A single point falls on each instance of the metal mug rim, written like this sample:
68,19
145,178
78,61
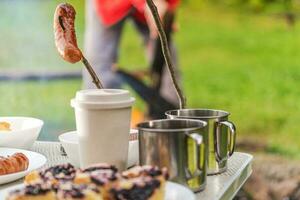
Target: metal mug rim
203,124
225,113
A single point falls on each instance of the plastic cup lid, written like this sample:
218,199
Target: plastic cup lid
102,98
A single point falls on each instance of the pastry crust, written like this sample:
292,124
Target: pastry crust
33,192
103,176
16,163
69,191
141,182
52,175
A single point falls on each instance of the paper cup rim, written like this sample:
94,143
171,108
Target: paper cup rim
102,105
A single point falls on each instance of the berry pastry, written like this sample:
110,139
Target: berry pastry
52,175
138,188
103,176
70,191
140,183
98,182
33,192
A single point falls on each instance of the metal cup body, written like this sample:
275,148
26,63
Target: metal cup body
178,146
221,135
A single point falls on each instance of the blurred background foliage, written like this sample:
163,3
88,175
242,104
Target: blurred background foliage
236,55
252,5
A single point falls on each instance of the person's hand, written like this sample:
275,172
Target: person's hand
162,7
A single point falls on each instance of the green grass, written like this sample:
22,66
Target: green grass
244,63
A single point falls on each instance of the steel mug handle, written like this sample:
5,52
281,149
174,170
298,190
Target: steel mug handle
200,148
232,140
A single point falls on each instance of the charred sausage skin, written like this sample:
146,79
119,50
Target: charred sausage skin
64,32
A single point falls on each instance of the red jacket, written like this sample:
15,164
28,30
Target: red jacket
112,11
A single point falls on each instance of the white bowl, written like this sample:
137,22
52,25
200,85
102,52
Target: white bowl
69,141
24,132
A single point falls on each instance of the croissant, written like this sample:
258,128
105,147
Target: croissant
16,163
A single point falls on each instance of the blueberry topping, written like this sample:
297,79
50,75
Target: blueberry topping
74,192
59,172
77,191
102,177
154,172
32,190
137,192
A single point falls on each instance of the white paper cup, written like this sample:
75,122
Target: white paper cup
103,124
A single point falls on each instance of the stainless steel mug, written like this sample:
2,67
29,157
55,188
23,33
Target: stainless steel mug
221,142
177,145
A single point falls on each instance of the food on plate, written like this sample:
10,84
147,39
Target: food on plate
146,170
64,32
52,175
33,192
103,176
11,164
141,182
97,182
83,192
5,126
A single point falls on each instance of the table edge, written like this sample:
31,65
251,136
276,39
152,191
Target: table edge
246,168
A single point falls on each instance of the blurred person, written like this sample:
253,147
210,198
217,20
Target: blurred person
105,20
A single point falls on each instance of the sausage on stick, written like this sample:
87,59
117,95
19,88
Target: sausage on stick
65,39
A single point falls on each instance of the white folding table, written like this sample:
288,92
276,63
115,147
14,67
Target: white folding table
219,187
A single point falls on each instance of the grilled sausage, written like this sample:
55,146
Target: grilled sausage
64,32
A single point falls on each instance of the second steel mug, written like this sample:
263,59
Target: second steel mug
221,135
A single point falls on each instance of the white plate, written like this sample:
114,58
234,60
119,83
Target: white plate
36,161
174,191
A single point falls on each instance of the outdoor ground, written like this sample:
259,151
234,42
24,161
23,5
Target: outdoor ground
241,62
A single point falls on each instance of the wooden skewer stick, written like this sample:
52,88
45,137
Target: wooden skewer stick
93,74
166,51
